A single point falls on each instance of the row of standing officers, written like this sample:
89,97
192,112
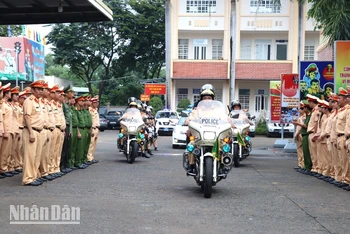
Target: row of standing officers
46,132
323,138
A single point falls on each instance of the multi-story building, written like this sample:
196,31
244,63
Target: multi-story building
265,45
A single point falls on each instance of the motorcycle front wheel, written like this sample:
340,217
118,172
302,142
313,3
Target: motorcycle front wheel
133,152
236,155
208,176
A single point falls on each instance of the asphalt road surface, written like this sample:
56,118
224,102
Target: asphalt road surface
264,195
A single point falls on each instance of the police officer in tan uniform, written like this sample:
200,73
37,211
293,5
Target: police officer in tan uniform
311,129
94,129
298,137
8,136
340,131
17,141
347,145
49,125
32,142
322,150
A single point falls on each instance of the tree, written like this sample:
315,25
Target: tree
54,69
16,30
183,104
332,17
157,104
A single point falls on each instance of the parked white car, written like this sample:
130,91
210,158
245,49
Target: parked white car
179,133
166,121
275,129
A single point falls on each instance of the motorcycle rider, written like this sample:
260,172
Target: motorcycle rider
207,92
132,103
236,105
153,124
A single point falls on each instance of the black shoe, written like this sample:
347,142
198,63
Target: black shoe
296,168
88,163
144,155
94,161
34,183
19,170
49,177
69,170
81,166
42,179
74,168
155,149
342,185
2,177
7,174
14,172
347,188
149,152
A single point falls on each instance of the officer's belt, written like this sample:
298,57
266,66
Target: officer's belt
35,129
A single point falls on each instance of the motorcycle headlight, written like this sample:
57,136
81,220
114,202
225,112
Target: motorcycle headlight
121,135
190,147
209,135
226,148
132,129
247,138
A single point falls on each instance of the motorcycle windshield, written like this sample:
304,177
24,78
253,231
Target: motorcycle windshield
238,117
210,112
133,115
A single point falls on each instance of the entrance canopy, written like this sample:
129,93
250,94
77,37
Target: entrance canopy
53,11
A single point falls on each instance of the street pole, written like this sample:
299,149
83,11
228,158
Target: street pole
233,50
167,52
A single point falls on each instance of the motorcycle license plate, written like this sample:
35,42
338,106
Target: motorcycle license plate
113,122
166,129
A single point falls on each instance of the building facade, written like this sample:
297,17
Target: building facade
206,43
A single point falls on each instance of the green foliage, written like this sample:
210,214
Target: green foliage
16,30
120,95
332,17
260,128
157,104
183,104
54,69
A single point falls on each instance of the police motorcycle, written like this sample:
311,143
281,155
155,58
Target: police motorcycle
132,133
241,142
210,145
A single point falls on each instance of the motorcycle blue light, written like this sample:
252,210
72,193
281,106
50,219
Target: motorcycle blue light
142,136
190,147
247,138
226,148
121,135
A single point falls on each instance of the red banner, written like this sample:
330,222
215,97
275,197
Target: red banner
157,89
275,100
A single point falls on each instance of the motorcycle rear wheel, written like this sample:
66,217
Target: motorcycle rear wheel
133,152
208,176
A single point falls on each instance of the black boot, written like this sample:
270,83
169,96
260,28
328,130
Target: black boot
192,169
155,148
149,152
145,155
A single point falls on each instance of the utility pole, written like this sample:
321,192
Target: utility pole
233,49
167,52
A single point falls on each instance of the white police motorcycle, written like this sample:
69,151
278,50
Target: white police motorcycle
241,143
132,134
209,145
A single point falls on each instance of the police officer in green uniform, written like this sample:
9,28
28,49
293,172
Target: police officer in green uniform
79,151
69,94
74,137
88,125
305,138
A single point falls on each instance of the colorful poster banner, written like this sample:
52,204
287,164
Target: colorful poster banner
157,89
145,97
289,98
342,64
22,59
316,78
275,101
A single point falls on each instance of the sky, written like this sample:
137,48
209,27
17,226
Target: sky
43,30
